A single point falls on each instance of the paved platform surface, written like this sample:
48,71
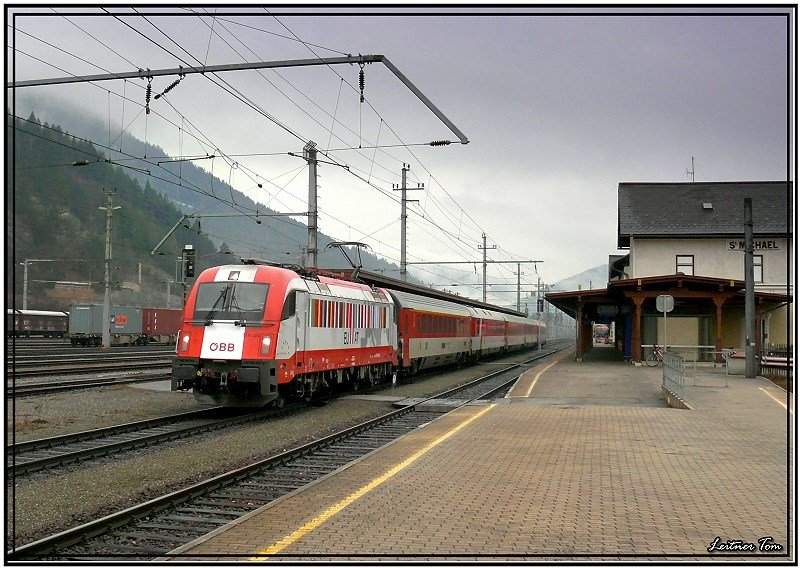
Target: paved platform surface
588,466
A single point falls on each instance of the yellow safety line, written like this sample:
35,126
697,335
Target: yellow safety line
773,398
331,511
536,378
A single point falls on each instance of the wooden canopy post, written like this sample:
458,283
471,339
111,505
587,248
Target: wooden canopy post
636,336
579,324
758,333
719,301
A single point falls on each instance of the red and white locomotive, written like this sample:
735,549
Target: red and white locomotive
255,333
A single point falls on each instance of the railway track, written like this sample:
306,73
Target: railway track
154,528
109,364
38,348
27,457
17,388
40,353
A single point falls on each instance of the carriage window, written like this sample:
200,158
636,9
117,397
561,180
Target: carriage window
290,305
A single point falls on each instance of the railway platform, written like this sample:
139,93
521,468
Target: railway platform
580,461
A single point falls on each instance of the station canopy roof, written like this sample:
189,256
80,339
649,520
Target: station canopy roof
680,284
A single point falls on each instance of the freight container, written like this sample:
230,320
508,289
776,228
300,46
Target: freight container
161,325
86,324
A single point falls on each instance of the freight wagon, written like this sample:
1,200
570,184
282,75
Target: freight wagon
36,322
127,325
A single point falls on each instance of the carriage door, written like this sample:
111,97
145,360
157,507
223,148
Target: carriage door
301,329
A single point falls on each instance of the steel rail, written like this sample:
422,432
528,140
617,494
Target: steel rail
85,435
59,386
123,366
21,468
104,358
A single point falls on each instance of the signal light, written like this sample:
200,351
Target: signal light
189,257
184,343
265,343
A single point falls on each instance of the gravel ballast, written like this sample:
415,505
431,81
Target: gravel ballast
41,505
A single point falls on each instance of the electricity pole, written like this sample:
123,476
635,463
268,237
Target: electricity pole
25,278
519,273
25,285
539,295
749,292
403,217
107,296
310,154
484,248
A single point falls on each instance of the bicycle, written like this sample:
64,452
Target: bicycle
655,357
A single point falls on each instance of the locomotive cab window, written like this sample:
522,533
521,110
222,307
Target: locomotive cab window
231,301
290,305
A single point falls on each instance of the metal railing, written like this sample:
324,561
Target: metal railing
700,353
777,359
674,374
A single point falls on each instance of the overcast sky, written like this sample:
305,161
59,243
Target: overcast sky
558,110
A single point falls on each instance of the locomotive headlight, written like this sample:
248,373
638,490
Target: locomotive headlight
184,341
265,343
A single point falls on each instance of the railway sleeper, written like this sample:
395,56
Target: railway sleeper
207,511
168,527
128,548
155,537
328,457
275,485
287,479
198,520
235,490
262,498
311,465
344,453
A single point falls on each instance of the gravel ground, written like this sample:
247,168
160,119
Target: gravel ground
66,412
41,505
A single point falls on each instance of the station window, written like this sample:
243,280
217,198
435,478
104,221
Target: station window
685,263
758,268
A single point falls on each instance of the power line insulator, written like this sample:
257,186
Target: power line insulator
148,92
441,143
361,81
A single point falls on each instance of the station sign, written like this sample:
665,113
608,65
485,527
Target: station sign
665,303
739,246
607,310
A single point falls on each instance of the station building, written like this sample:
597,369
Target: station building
687,240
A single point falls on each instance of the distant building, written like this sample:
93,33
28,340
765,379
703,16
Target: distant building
698,229
687,240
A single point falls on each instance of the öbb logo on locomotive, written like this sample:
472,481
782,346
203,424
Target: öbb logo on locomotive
257,333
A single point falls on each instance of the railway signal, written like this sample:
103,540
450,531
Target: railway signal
189,258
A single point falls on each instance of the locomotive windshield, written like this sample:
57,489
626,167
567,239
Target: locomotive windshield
244,301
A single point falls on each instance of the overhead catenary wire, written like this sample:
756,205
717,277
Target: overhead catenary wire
195,58
387,125
443,209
